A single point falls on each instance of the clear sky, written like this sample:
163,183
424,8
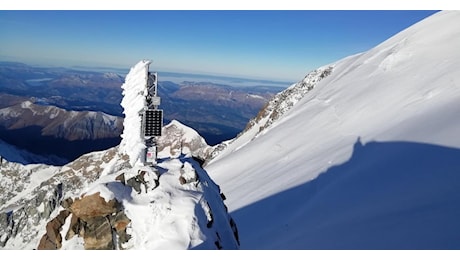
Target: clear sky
268,44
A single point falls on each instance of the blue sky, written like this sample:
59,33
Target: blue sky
268,44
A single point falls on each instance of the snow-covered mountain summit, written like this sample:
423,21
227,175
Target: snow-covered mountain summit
367,159
110,200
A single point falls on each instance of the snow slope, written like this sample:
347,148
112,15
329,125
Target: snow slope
368,159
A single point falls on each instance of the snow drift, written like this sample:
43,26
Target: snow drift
367,159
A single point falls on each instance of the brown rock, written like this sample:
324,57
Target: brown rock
52,238
66,203
74,228
98,234
120,221
93,206
182,180
121,178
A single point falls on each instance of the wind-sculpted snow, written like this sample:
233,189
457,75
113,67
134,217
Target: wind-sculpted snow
133,103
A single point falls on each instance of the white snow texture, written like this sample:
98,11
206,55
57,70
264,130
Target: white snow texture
368,159
133,103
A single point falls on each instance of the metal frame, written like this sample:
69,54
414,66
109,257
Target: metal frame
152,101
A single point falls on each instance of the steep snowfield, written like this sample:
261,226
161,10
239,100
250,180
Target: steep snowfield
368,159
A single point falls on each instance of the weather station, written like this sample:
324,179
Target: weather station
152,118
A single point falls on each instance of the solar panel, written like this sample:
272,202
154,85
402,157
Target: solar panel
153,122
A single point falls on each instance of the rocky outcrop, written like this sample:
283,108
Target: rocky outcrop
91,206
276,107
179,139
48,207
53,239
94,219
286,99
21,215
145,179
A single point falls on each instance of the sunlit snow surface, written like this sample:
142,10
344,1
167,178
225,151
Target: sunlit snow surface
171,216
133,103
368,159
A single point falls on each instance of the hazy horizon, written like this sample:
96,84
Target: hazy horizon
258,44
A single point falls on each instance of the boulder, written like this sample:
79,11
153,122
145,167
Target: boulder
91,206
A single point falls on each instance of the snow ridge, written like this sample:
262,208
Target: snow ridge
274,110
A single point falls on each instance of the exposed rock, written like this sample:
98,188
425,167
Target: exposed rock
67,203
98,233
121,178
75,227
182,180
94,223
187,174
53,239
179,139
6,226
94,219
147,178
92,206
276,107
119,223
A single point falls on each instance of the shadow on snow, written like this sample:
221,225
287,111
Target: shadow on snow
388,195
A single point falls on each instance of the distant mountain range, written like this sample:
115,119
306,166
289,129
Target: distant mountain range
101,201
51,132
217,111
52,106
